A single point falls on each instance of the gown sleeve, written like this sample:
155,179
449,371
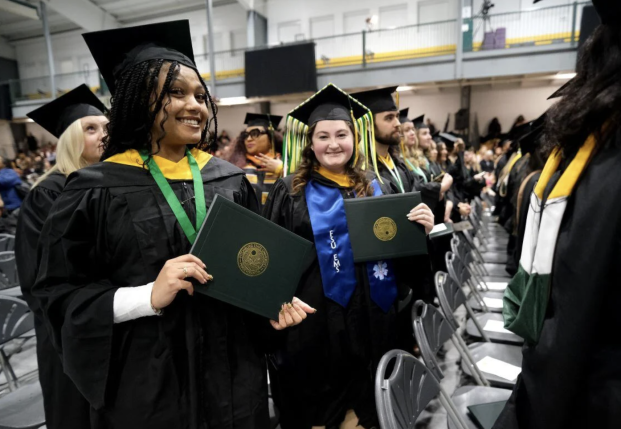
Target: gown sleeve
33,213
77,302
276,206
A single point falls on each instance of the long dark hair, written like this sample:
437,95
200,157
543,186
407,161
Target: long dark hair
593,98
240,142
136,104
362,185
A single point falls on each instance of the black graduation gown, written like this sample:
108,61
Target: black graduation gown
522,211
326,365
430,192
262,182
572,378
65,407
201,364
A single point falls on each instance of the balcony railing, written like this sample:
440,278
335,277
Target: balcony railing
558,24
545,26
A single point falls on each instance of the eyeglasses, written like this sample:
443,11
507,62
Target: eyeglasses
255,134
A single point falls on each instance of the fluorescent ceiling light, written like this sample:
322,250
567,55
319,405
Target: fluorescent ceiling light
565,76
405,88
232,101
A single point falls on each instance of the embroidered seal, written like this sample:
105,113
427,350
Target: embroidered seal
253,259
385,229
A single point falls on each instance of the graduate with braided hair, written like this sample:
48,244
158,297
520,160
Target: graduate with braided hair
114,278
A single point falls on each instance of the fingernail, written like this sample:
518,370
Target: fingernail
315,310
289,305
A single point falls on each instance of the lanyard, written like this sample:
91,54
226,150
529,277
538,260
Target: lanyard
396,176
173,201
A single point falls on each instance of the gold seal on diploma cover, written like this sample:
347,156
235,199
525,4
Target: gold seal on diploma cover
253,259
385,229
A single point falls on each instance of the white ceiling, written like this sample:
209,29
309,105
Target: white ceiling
126,12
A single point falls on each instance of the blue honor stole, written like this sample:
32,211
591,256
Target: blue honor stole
336,258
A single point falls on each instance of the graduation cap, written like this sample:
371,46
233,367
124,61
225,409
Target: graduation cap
449,140
609,11
530,141
262,120
403,115
378,100
56,116
118,50
328,104
420,122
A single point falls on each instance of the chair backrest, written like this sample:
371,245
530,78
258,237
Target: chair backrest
450,296
456,268
432,331
15,318
8,270
7,242
403,389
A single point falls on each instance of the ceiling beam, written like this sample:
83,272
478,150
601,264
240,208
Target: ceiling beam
18,8
84,13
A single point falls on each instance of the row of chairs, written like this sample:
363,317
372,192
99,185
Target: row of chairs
475,282
22,406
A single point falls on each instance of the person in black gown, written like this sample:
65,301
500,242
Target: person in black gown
326,366
262,144
77,120
571,377
114,277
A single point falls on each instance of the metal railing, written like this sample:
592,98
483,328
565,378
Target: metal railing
557,24
544,26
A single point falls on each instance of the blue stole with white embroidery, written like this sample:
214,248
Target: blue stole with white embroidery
336,258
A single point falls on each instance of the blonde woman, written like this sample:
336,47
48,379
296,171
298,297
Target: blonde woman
77,120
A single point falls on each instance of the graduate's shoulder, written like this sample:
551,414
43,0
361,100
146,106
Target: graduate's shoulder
55,183
217,168
116,175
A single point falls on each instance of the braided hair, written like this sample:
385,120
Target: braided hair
135,106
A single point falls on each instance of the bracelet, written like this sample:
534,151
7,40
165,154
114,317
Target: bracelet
158,312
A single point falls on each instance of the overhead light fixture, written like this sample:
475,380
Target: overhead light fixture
566,76
232,101
405,88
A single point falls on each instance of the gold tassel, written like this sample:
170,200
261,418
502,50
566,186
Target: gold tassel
356,147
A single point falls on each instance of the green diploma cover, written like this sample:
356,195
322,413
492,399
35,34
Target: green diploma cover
256,265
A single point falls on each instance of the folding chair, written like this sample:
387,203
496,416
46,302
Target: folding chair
469,252
22,408
451,297
7,242
16,319
432,330
480,300
9,281
403,389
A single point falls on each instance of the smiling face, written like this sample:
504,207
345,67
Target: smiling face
424,138
257,145
187,108
94,128
433,152
333,144
409,134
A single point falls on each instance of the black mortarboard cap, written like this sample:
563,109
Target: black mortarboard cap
529,142
403,115
262,120
116,51
329,104
378,100
57,115
420,122
449,140
609,11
